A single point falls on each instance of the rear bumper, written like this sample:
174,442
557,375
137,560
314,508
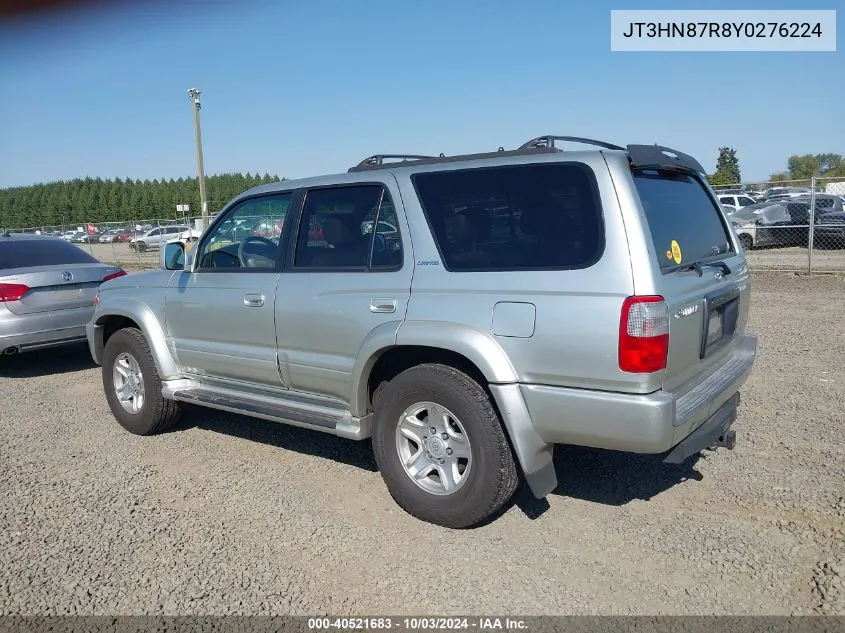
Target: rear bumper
675,424
48,329
649,423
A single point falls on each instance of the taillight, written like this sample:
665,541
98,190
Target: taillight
12,292
119,273
643,335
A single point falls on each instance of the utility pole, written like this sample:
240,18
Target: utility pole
194,95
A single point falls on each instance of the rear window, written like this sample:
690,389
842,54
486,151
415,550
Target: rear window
519,217
27,253
685,224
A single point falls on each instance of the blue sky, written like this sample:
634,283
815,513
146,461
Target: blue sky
298,88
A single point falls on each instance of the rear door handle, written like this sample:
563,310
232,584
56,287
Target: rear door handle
253,300
383,306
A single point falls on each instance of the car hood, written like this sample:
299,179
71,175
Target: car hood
834,217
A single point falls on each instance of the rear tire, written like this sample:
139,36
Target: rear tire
469,450
133,387
746,241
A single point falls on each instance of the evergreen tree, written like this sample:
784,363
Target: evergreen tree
80,200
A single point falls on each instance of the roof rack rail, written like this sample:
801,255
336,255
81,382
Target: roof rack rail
643,156
378,159
548,141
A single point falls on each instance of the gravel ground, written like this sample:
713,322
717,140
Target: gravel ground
229,515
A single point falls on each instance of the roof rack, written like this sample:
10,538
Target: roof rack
376,162
655,156
378,159
548,141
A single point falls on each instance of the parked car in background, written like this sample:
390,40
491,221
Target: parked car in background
155,237
786,221
86,238
778,193
116,235
736,201
47,291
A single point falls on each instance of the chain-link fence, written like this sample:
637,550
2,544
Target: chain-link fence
789,225
796,225
133,244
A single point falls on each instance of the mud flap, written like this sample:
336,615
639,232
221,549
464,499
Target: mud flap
534,455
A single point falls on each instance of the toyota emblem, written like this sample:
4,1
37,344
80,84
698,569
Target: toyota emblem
67,276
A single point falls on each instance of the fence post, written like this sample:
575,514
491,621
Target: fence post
812,225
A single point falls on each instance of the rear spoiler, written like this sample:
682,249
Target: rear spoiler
659,157
640,156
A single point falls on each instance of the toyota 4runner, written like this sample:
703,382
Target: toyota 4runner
464,313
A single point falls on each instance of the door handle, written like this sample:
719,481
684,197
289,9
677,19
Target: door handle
253,300
383,306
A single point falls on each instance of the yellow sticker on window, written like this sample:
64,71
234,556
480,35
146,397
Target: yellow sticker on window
676,252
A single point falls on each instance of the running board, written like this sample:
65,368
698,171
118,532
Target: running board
318,418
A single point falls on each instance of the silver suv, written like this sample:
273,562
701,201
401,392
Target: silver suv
465,313
153,238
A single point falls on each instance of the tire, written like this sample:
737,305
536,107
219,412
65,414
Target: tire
489,477
142,246
151,414
746,241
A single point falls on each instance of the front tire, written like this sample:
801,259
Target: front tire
133,387
142,246
746,241
440,447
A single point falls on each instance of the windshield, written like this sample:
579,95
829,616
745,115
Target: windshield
685,223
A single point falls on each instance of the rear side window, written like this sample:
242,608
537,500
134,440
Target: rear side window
524,217
685,224
27,253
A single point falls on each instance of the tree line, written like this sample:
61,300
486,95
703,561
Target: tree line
72,202
798,168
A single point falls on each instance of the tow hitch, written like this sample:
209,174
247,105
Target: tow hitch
728,441
713,434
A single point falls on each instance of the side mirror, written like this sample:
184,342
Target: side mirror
173,256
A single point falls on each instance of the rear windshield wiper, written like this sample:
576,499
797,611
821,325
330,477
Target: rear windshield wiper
699,267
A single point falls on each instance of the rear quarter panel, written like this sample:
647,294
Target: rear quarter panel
573,340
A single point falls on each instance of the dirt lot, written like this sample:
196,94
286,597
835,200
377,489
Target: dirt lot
232,515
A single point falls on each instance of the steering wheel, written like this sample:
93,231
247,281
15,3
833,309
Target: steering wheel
253,238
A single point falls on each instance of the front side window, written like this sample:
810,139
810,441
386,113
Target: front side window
744,202
351,227
248,236
543,216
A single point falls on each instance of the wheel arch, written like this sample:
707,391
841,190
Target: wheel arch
132,313
396,344
475,354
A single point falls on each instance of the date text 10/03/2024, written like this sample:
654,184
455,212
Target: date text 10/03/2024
417,624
